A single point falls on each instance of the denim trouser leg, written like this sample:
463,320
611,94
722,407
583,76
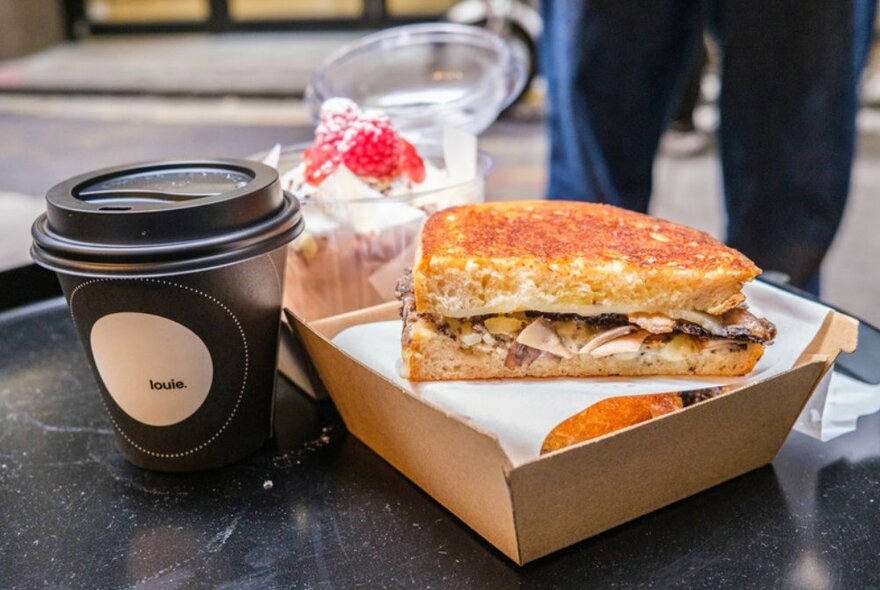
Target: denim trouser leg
789,98
788,106
614,69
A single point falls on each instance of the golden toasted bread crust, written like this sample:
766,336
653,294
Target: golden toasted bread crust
608,416
559,231
528,254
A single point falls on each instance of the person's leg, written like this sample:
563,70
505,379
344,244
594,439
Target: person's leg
683,120
865,18
682,139
614,70
788,105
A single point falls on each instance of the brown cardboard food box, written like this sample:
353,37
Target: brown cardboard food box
559,499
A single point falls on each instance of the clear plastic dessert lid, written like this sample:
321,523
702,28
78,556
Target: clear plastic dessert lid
425,77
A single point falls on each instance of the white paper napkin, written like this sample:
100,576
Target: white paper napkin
836,405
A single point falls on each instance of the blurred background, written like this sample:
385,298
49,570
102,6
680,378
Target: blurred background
86,84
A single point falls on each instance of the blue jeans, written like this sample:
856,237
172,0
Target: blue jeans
791,68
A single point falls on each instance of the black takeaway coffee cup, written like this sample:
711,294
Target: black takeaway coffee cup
173,272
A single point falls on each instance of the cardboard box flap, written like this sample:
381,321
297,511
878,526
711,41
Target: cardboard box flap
464,468
650,465
839,332
330,327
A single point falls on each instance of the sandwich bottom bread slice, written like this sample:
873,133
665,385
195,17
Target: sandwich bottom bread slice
562,289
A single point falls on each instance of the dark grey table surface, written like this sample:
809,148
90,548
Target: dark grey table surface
317,509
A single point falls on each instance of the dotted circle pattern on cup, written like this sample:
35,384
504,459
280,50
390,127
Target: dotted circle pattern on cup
229,418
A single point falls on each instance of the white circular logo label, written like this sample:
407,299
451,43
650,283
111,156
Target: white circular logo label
158,371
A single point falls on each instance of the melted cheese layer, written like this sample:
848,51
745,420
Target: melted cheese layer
710,322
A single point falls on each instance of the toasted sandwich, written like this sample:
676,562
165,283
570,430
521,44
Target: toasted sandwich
556,288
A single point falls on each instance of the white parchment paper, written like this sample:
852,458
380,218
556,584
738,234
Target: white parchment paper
836,406
521,412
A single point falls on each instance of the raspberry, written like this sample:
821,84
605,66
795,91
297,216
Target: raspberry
411,162
321,161
337,114
365,141
370,147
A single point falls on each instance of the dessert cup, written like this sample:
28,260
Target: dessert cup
353,251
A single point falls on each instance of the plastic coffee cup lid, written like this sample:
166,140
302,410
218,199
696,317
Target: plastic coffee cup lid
167,217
